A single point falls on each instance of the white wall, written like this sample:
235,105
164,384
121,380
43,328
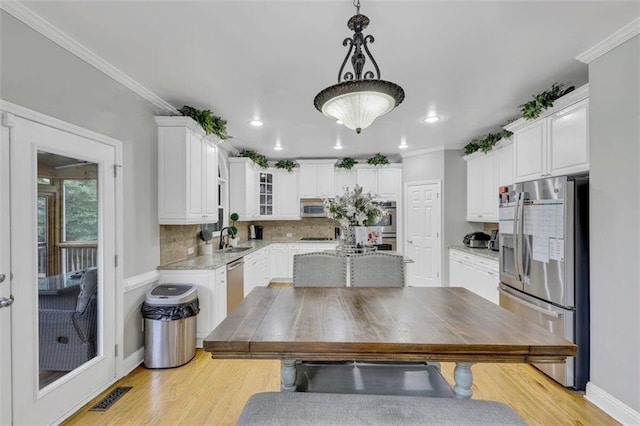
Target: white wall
449,167
40,75
614,126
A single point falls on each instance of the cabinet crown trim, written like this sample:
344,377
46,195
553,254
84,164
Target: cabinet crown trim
571,98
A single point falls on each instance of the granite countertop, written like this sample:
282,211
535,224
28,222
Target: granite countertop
222,257
486,253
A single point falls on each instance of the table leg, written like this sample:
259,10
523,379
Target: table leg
288,375
464,379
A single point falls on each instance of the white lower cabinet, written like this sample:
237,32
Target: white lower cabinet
475,273
281,264
256,270
212,295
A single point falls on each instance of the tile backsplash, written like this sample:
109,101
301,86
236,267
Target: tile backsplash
175,240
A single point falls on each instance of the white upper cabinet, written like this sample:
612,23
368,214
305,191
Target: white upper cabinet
187,173
385,182
504,165
485,173
556,143
343,179
244,188
316,178
285,194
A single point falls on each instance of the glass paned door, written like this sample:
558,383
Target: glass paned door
68,298
63,246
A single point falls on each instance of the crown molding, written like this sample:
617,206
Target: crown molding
33,20
614,40
426,151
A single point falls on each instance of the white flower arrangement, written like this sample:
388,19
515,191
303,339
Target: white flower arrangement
354,207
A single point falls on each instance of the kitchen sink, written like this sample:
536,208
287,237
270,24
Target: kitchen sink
237,249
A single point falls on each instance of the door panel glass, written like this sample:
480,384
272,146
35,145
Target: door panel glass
67,245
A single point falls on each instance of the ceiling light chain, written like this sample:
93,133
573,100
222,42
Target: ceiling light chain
358,99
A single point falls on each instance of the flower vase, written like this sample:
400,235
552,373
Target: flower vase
349,235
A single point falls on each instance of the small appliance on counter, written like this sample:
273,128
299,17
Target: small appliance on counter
255,232
494,242
476,240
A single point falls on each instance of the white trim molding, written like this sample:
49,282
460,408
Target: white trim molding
141,280
35,21
614,40
612,406
132,361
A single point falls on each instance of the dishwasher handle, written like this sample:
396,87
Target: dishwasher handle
235,264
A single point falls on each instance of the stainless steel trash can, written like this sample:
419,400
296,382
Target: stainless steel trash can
169,313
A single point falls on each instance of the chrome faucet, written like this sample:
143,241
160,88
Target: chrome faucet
222,234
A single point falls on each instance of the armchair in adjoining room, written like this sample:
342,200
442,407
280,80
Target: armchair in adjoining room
68,327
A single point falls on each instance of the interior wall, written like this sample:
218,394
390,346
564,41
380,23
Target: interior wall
614,103
42,76
449,167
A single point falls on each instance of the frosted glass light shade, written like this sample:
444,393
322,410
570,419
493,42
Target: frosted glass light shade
358,103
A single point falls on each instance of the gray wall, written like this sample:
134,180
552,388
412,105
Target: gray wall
39,75
614,146
449,167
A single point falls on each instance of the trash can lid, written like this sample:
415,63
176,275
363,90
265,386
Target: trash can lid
171,294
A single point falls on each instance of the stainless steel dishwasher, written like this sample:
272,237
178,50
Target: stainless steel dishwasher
235,284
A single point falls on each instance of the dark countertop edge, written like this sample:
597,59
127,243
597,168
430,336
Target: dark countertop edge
220,258
485,253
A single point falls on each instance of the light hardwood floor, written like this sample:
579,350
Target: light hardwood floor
213,392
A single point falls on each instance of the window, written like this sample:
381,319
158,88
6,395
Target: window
223,197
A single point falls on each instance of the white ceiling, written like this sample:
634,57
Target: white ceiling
470,62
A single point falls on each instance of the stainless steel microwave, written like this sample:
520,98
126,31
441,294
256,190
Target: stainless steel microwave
312,208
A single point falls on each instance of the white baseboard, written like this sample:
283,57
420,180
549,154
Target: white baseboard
132,361
612,406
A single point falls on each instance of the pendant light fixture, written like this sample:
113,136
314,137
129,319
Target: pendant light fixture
358,98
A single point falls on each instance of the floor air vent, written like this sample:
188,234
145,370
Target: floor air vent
110,399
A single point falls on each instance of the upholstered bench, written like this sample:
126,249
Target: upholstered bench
305,408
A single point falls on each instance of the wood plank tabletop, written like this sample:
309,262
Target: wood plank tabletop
377,324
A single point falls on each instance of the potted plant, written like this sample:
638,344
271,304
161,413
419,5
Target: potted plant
233,230
288,165
257,158
205,235
378,160
210,123
346,163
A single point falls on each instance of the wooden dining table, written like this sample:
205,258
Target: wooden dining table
381,324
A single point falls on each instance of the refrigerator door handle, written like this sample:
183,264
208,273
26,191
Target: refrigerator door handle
519,229
520,301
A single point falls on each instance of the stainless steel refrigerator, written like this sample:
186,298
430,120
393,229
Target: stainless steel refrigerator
544,264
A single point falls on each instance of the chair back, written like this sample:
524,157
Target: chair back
88,289
377,269
319,270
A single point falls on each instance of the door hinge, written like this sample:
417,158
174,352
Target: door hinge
115,170
116,351
116,260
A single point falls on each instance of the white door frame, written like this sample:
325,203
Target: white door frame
9,111
406,218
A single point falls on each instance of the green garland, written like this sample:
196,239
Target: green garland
346,163
532,109
288,165
378,160
211,124
486,144
259,159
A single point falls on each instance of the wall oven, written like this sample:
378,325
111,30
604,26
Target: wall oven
388,222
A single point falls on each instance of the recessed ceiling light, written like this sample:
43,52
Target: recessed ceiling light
403,144
338,145
339,122
278,146
431,119
256,123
